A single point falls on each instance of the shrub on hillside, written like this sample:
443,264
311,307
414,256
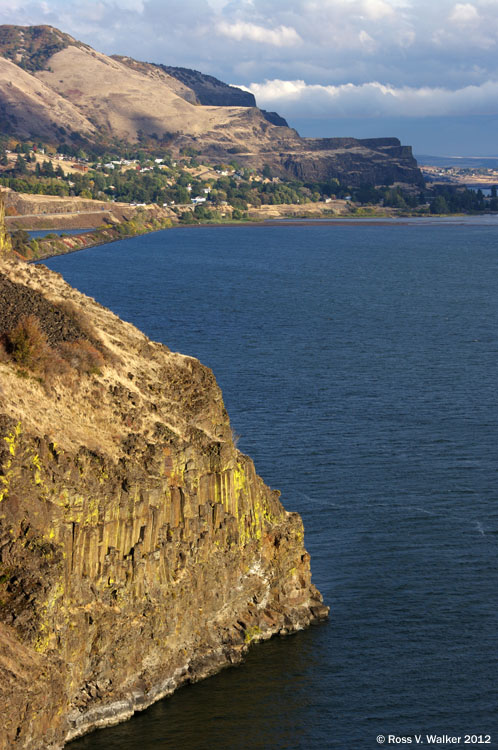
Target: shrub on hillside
27,344
82,356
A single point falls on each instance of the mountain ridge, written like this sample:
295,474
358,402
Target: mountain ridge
107,99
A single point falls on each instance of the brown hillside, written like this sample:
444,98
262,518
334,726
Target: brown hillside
30,108
124,101
74,89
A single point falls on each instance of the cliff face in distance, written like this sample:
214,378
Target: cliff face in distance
58,89
139,550
209,90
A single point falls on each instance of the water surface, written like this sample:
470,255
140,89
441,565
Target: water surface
358,365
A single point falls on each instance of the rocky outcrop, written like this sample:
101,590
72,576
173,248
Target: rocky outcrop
209,90
354,162
275,119
139,550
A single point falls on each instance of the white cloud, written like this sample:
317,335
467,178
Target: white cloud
376,9
283,36
296,98
366,40
464,13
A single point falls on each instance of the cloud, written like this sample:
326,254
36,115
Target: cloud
374,99
464,13
376,9
283,36
366,40
414,43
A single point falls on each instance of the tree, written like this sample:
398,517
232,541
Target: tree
48,168
21,166
439,205
20,238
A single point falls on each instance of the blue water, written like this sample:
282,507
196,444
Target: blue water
359,366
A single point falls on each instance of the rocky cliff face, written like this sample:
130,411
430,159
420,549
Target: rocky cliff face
139,550
207,90
354,162
210,91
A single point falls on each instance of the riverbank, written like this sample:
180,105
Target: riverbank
50,246
137,221
153,219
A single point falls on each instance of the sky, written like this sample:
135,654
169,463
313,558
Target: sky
422,70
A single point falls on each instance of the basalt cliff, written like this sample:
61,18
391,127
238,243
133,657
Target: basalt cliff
139,550
57,89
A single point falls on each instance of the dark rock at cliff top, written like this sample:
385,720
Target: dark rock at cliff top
18,301
275,119
210,90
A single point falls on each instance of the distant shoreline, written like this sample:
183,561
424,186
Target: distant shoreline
266,223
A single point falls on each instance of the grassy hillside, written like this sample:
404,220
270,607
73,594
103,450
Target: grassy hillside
30,47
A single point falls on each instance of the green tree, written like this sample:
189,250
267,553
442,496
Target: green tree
21,166
20,239
439,205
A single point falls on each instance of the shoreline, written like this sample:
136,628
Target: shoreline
95,244
368,221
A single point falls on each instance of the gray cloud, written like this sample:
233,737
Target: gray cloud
298,99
